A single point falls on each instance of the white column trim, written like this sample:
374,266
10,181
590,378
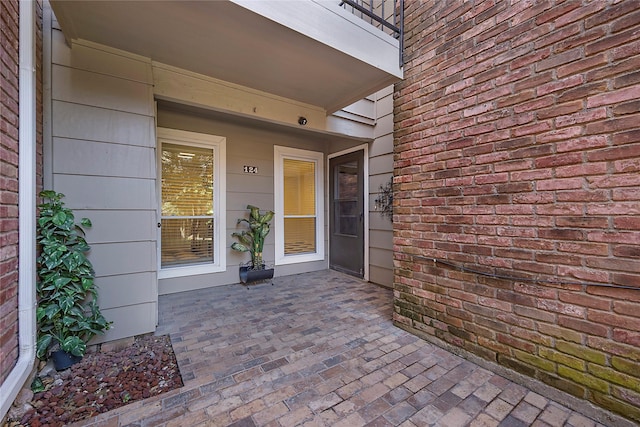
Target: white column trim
27,210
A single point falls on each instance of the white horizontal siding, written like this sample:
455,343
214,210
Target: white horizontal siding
99,90
79,121
380,172
128,321
380,275
357,119
384,126
112,226
111,259
99,59
382,145
250,183
138,287
102,157
78,157
113,193
377,222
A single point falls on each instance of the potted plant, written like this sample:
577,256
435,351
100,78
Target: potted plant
67,315
252,241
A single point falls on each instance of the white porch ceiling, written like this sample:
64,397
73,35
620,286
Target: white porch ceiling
306,50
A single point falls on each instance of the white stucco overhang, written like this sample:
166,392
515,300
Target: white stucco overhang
311,51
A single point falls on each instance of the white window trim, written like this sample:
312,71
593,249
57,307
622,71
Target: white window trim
281,153
218,144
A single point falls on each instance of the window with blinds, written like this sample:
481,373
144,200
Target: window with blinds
187,205
299,197
299,206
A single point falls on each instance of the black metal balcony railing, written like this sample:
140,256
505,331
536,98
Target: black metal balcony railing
388,15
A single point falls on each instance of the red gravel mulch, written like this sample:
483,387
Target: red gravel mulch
103,381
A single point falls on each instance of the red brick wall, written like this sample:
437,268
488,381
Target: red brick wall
9,70
517,153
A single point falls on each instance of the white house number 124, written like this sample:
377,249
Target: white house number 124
250,169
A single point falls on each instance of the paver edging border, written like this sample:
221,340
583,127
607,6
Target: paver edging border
584,407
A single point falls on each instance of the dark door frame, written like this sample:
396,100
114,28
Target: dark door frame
365,149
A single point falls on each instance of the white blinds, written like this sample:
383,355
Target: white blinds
299,187
299,206
187,205
187,181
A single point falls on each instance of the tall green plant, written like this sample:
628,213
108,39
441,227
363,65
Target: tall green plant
252,240
67,313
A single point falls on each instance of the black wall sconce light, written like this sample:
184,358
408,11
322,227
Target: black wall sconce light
384,201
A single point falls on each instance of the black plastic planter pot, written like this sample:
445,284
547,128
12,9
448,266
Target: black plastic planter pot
63,360
247,274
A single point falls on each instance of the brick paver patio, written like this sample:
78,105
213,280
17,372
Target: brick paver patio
319,349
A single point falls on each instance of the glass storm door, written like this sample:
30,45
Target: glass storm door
187,205
346,200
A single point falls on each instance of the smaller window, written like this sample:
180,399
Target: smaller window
299,200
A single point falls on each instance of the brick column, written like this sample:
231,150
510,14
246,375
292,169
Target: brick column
517,157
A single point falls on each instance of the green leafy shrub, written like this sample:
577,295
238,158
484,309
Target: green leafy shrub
252,240
68,314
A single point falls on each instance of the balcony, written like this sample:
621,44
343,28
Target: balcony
310,51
